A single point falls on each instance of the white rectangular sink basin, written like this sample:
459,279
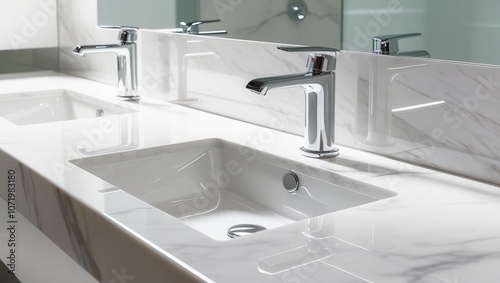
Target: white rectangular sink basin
212,185
47,106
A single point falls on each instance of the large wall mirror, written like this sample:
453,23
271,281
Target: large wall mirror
459,30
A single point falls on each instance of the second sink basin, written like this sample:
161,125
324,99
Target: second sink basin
53,106
212,185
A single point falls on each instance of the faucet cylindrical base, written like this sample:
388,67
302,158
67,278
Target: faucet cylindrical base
129,98
320,154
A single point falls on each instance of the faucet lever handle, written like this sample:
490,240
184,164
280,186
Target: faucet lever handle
317,54
193,27
127,34
389,44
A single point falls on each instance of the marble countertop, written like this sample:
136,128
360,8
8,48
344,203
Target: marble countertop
439,228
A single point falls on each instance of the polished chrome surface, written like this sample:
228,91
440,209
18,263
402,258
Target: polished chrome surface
126,51
389,45
297,10
291,182
319,85
193,28
239,230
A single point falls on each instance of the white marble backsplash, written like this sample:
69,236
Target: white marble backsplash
455,129
210,74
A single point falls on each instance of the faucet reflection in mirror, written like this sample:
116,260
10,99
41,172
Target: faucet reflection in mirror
320,245
389,45
319,86
193,28
126,51
126,138
184,57
382,73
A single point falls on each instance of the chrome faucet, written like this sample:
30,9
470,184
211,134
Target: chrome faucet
193,28
127,60
389,45
319,86
382,73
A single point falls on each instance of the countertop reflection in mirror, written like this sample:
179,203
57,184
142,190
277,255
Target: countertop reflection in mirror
259,20
459,30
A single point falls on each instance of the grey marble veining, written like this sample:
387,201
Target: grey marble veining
266,20
456,132
459,133
82,233
216,77
215,72
439,228
76,225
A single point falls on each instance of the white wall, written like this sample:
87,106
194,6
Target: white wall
28,24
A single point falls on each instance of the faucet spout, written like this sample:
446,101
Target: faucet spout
263,85
389,45
319,88
119,49
78,50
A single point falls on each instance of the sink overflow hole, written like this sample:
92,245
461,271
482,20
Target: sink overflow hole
291,182
99,113
240,230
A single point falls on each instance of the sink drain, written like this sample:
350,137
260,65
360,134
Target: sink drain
240,230
291,182
99,113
